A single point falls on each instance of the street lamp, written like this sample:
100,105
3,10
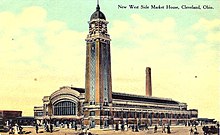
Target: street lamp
100,115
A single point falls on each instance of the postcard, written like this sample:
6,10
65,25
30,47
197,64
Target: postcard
132,51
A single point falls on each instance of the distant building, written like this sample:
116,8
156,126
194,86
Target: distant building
97,105
25,121
9,116
38,112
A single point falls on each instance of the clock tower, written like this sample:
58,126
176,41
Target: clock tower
98,82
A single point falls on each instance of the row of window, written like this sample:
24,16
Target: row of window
148,107
105,113
141,115
148,115
65,108
38,113
94,103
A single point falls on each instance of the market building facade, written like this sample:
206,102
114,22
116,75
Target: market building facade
97,105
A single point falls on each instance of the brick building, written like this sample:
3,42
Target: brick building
97,105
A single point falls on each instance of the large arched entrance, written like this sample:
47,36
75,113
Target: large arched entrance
65,108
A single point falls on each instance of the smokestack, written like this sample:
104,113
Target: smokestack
148,82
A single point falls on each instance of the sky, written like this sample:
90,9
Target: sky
42,48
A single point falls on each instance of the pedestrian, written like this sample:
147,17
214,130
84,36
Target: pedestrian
195,129
191,131
47,128
11,129
85,131
20,129
146,127
51,128
75,127
116,127
168,129
136,128
16,125
16,128
67,124
37,128
155,129
122,127
133,128
205,130
163,129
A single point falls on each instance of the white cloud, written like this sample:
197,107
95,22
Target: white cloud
55,55
184,67
211,28
34,47
139,28
32,17
119,29
214,37
207,25
191,38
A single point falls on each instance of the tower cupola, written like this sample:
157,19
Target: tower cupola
97,14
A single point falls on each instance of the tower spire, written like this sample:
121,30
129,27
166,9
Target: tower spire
97,8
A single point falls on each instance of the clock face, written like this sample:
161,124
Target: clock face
92,25
103,25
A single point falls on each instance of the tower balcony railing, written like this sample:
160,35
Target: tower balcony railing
99,35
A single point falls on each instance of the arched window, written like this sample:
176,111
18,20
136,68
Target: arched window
65,108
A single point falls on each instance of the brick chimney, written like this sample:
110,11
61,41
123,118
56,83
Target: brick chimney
148,82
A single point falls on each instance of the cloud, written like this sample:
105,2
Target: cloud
50,51
32,17
34,47
139,28
184,67
210,27
207,25
36,39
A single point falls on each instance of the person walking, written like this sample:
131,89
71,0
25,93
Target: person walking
20,129
163,129
155,129
168,129
37,128
75,127
47,128
191,131
11,129
51,128
146,127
